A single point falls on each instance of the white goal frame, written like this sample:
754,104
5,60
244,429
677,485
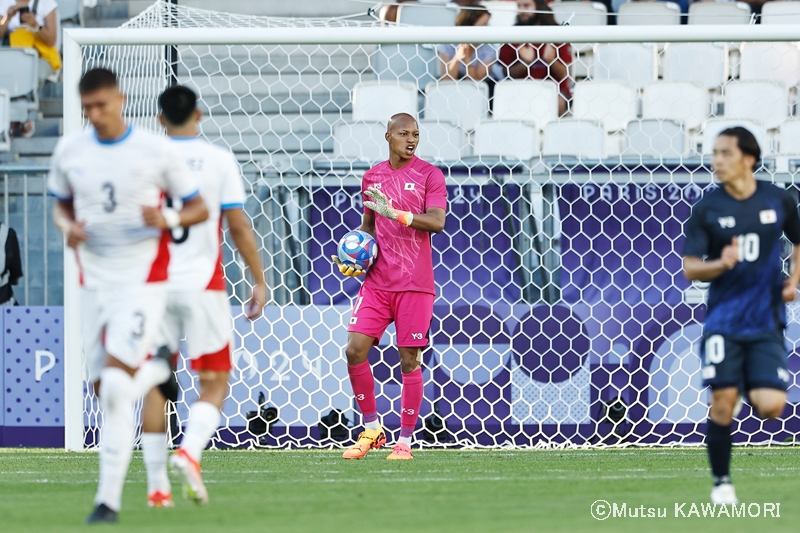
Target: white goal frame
75,38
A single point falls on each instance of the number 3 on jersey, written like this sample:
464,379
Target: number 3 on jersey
749,247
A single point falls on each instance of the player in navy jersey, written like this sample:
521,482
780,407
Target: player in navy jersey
733,240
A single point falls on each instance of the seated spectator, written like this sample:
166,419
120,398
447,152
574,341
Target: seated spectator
468,60
538,61
11,263
32,24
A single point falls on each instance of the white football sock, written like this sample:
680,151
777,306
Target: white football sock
203,423
374,425
116,435
154,453
404,440
151,373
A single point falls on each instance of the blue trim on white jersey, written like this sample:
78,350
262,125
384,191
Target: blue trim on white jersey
184,138
114,141
192,196
57,197
236,205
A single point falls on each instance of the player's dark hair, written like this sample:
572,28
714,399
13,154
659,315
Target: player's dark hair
177,104
96,79
745,140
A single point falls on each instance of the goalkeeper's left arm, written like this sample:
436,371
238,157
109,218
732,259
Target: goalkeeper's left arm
432,220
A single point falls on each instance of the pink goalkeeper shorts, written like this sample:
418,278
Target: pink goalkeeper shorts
411,313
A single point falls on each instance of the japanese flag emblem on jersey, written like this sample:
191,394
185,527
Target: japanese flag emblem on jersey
409,187
768,216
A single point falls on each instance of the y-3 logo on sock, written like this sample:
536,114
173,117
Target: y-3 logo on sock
408,411
359,397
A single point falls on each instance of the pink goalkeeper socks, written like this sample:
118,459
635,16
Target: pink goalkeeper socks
410,402
364,390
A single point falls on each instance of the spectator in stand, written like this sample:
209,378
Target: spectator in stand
538,61
10,263
468,60
31,24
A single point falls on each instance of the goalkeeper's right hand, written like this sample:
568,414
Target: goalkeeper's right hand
348,270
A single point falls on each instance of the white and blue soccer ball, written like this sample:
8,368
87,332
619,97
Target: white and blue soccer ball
358,248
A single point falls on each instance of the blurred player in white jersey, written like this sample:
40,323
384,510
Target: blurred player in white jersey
109,181
198,307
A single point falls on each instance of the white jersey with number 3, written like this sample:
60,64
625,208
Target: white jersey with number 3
196,252
109,182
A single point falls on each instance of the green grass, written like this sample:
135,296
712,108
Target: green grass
441,491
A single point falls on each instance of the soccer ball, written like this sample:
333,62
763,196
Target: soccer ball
358,248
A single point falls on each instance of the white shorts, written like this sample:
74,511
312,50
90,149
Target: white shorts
121,323
202,317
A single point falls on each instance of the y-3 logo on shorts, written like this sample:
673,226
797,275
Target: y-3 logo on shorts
783,375
416,336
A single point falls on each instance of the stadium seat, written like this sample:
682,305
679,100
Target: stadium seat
789,137
634,63
440,141
655,139
362,141
19,76
422,15
512,140
377,101
649,13
580,14
703,63
770,62
719,13
762,102
464,103
70,11
583,139
413,63
5,121
683,102
526,100
503,13
611,103
780,13
714,126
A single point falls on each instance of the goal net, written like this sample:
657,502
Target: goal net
562,316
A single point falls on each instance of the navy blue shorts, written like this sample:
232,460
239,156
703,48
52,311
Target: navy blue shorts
755,362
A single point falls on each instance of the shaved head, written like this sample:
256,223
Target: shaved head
400,120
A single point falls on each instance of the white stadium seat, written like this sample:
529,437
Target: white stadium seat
780,13
770,62
719,13
683,102
714,126
362,141
580,14
526,100
5,121
514,140
440,141
503,13
583,139
790,137
654,139
421,15
464,103
19,76
634,63
611,103
762,102
649,14
377,101
703,63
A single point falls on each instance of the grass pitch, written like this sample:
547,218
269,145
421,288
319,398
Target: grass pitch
441,491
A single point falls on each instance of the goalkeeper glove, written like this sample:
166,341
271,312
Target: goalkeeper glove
352,271
383,206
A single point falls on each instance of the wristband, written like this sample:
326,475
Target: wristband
172,217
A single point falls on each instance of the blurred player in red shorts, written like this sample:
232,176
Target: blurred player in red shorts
409,197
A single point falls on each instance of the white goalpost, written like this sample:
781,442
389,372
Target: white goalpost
562,317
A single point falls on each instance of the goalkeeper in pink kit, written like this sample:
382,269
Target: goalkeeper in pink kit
405,202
